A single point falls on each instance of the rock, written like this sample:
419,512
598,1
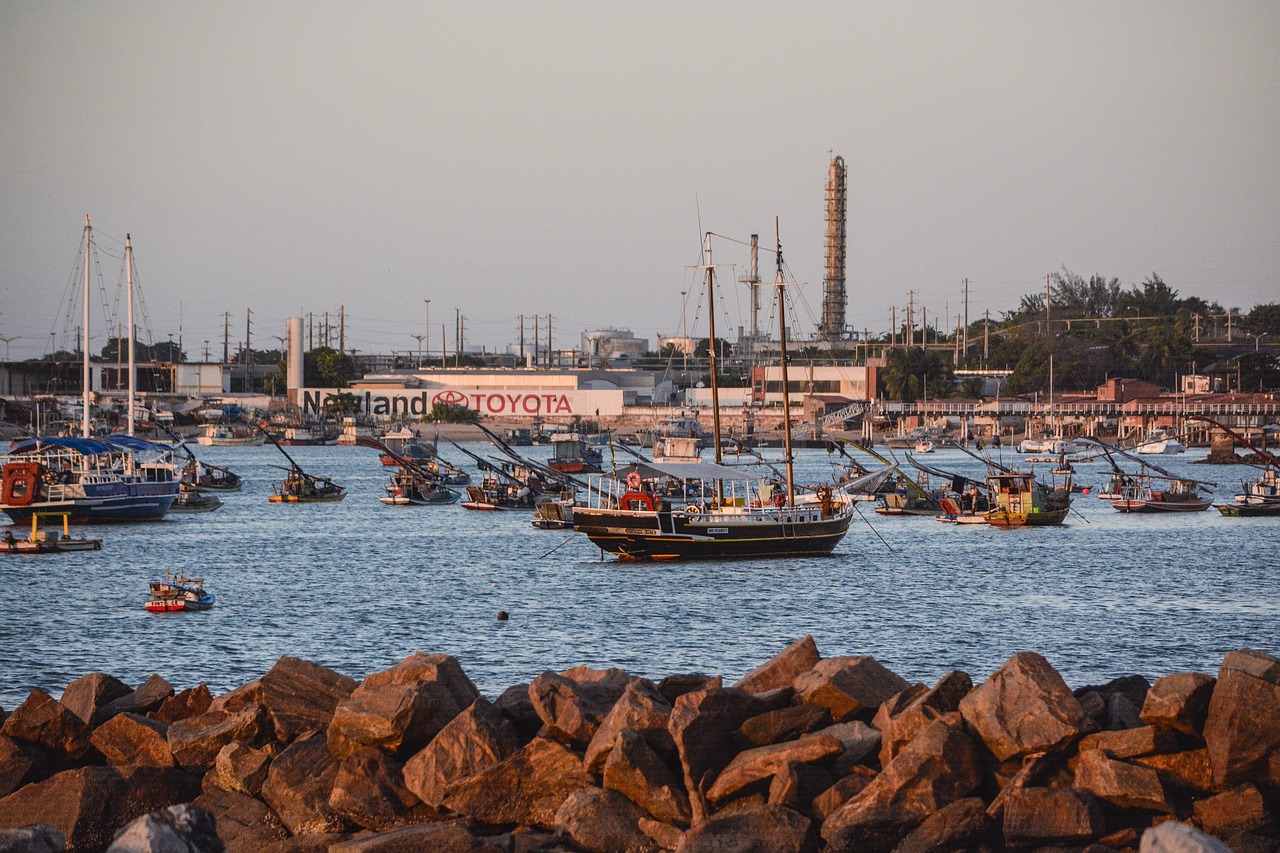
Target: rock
848,686
302,695
572,704
899,730
634,770
42,721
937,767
20,764
666,836
704,726
780,671
1132,743
129,739
1128,786
41,838
187,703
1188,770
1174,837
232,700
897,703
640,708
1040,817
842,791
398,718
474,740
176,829
601,821
149,696
1179,702
796,785
1241,809
944,696
515,705
762,829
196,741
244,824
1023,708
752,765
298,786
369,791
239,768
784,724
433,837
1122,713
527,788
675,686
955,826
1242,729
859,739
87,695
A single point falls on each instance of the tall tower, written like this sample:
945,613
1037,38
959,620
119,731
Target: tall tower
834,298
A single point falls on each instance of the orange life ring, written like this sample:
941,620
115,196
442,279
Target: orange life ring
633,481
630,498
20,481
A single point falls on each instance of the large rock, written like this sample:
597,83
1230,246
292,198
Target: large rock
87,695
1188,770
636,771
302,695
20,764
1023,708
781,670
369,791
1041,817
1242,729
640,708
956,826
859,739
44,722
937,767
944,696
766,828
784,724
186,703
475,739
1132,743
675,686
753,765
1179,702
299,784
244,823
433,837
515,705
704,725
900,729
149,696
40,838
600,821
848,687
396,718
196,741
239,768
1128,786
841,791
1242,809
129,739
176,829
527,788
572,704
1174,837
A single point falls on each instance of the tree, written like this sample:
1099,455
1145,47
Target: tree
342,403
703,349
1264,320
911,371
453,413
327,367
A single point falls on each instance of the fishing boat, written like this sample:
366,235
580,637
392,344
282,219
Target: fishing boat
924,445
1259,497
683,425
47,541
1158,442
908,440
503,487
628,515
555,513
223,435
1139,494
410,488
1019,499
673,448
299,487
192,499
178,593
305,436
572,455
210,478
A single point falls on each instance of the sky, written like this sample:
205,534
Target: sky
564,158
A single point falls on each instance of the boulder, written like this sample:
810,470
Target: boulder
1129,786
1024,707
1242,809
1188,770
944,696
784,724
848,687
474,740
397,718
298,786
675,686
956,826
186,703
369,791
937,767
239,768
1242,728
1040,817
434,837
753,765
666,836
761,829
634,770
640,708
899,730
781,670
841,791
149,696
515,705
796,785
20,764
601,821
44,722
1174,837
1132,743
87,695
41,838
244,823
859,739
1179,702
238,697
704,726
176,829
527,788
302,695
128,739
196,741
572,704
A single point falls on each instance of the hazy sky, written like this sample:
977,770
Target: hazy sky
563,158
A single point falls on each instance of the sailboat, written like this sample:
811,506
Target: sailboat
88,479
729,513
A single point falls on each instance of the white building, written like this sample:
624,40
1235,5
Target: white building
613,343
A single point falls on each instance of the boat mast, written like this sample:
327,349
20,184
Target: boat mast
133,374
84,375
711,314
782,350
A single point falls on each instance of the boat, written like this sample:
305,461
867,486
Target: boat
732,514
554,513
47,541
1257,498
1158,442
352,431
192,499
504,486
301,436
178,593
210,478
299,487
410,488
1111,491
674,448
223,435
924,445
1019,499
908,440
1139,494
572,455
683,425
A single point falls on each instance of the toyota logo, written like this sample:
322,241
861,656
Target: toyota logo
451,398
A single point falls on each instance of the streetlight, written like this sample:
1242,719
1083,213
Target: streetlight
427,336
6,346
1257,339
419,339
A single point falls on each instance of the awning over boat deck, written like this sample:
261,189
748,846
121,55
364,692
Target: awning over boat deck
684,471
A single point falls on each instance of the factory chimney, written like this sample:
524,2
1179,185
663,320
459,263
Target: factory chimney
834,298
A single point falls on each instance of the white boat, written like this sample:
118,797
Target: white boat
1158,442
220,435
924,445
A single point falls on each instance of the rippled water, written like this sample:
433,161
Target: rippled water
357,586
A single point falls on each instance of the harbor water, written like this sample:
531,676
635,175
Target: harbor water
358,586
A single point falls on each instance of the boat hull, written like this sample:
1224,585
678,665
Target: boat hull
180,605
296,499
998,518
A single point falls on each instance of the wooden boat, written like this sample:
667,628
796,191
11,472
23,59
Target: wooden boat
178,593
192,499
1139,495
221,435
47,541
571,455
300,487
554,514
1257,498
409,488
1019,499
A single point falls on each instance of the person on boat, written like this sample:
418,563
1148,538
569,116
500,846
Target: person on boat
9,541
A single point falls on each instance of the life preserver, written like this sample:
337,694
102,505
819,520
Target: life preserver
645,498
19,483
692,510
633,481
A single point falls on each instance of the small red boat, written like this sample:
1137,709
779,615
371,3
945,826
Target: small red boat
177,593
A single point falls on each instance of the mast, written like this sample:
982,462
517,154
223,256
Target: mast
84,375
133,374
786,388
711,314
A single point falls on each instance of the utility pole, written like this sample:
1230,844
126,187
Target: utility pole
427,338
226,337
893,326
248,348
1048,330
986,338
1197,332
537,357
548,340
911,318
457,337
966,317
342,328
924,327
1230,312
522,340
311,331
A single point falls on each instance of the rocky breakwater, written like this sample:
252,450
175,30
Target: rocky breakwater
803,754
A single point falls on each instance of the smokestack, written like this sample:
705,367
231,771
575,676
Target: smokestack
293,369
834,297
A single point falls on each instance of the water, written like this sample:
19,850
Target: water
358,586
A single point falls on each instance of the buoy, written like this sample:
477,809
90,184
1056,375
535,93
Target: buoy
502,616
1085,490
